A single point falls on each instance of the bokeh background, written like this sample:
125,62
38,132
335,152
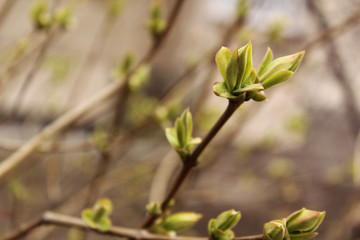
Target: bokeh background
300,148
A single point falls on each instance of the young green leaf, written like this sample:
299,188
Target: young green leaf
265,62
232,70
181,221
277,78
222,59
171,136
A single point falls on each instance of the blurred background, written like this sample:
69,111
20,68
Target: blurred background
300,148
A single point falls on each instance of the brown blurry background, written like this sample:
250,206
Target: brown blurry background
300,148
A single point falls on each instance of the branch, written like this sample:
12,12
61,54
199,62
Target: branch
51,218
191,162
338,69
73,114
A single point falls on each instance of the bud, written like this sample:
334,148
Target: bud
180,221
103,208
236,69
140,77
275,230
281,69
156,25
98,217
227,220
304,221
115,7
63,18
154,208
40,15
180,136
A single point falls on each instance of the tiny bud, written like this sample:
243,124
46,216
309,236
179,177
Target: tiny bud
227,220
304,221
154,208
63,18
181,221
274,230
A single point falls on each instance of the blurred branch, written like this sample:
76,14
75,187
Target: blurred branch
34,68
5,10
338,69
51,218
73,114
191,162
120,106
97,47
120,111
331,32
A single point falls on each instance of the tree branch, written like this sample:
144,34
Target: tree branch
191,162
51,218
73,114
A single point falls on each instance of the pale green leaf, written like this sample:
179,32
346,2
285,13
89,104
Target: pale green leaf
257,96
222,59
172,137
180,132
220,89
286,63
252,87
265,62
232,70
277,78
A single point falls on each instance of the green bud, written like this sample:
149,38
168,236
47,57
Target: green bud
236,69
140,77
98,217
115,7
154,208
227,220
274,230
279,70
180,136
63,18
156,24
180,221
103,208
100,140
304,221
242,9
40,15
124,66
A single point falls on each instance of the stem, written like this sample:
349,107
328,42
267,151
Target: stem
191,162
51,218
30,76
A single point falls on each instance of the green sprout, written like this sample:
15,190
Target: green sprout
243,82
98,217
180,136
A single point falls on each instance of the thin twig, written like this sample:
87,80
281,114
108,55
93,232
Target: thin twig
121,108
191,162
30,76
51,218
338,69
5,10
123,94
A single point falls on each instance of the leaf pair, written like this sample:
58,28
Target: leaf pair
98,216
180,136
278,71
220,228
